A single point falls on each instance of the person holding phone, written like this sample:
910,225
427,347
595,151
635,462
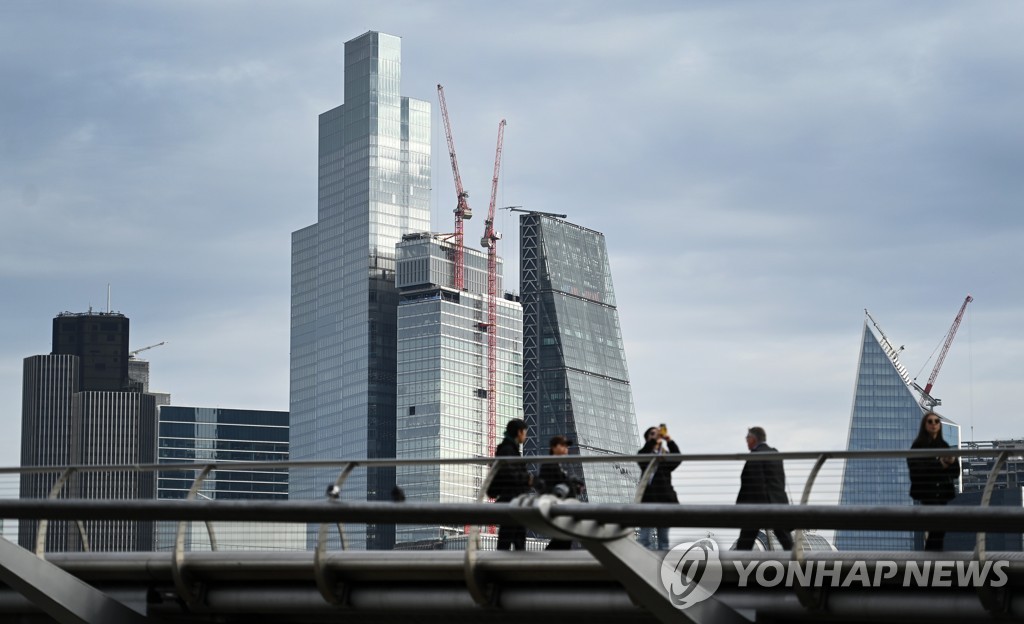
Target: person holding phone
659,489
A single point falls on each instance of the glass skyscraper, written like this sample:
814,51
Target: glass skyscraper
189,435
374,186
442,375
575,380
886,416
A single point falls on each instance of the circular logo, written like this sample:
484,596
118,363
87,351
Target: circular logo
691,572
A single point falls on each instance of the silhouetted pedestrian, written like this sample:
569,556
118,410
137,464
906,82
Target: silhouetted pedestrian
659,489
511,480
762,482
932,478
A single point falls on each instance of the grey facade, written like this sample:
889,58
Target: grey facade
79,407
374,186
886,416
575,380
442,376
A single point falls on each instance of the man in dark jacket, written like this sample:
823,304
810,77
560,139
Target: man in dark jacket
552,476
659,489
762,483
511,481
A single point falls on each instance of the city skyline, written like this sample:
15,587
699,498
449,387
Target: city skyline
766,186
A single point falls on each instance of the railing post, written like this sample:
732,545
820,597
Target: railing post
481,594
181,583
44,523
991,599
811,598
326,583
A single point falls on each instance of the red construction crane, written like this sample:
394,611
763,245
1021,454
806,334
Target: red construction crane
462,209
927,400
490,241
945,347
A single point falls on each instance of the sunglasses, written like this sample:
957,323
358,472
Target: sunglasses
933,421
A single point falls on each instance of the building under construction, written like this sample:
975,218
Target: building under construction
442,380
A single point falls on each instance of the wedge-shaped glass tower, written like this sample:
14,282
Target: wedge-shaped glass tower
575,380
886,416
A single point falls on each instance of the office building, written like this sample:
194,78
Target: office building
79,407
886,416
199,435
442,375
575,380
977,469
374,186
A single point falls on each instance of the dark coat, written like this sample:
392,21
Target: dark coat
763,482
552,475
660,489
930,481
511,479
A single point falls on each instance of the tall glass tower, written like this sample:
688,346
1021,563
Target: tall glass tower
442,375
575,380
886,416
374,183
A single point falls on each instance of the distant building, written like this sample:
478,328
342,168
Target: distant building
457,540
976,469
197,435
575,380
766,541
442,375
79,407
374,186
886,416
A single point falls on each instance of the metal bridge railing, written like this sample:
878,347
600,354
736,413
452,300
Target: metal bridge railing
704,481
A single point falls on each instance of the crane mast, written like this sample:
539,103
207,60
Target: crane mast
490,241
462,209
945,347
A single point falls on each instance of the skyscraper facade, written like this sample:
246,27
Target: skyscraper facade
79,407
198,435
374,186
886,416
442,375
575,380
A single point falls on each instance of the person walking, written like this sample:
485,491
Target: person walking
511,480
659,489
761,483
932,478
552,476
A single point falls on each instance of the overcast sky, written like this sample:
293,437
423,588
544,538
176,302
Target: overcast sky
763,171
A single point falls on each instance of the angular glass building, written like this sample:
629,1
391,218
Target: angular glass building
886,416
442,376
575,380
374,186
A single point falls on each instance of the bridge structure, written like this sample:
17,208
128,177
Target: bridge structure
610,579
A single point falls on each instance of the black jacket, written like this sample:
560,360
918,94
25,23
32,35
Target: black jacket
511,479
763,482
930,481
552,475
660,489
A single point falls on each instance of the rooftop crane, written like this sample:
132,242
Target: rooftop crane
132,354
462,209
926,398
490,242
545,214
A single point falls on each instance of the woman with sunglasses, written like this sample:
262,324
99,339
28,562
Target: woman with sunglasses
932,478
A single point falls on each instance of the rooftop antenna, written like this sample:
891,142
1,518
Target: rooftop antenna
108,297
